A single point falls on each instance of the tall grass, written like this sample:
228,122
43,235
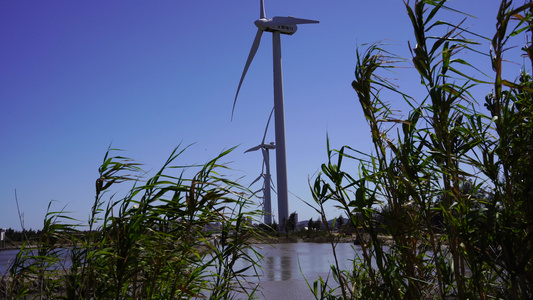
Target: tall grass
154,243
450,185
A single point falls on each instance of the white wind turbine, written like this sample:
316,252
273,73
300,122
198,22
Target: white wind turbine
276,25
267,202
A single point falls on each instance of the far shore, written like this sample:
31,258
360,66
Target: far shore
282,239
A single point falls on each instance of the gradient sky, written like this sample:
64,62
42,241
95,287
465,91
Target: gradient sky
145,76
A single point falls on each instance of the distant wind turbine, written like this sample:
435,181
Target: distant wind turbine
276,25
267,202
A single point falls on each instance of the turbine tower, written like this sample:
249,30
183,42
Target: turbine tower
267,202
277,26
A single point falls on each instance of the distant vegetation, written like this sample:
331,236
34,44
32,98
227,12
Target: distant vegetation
13,236
450,185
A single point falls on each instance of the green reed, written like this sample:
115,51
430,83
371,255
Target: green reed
153,243
449,185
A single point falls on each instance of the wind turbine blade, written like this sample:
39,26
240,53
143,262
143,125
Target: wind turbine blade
255,46
268,122
263,166
273,188
262,14
266,159
256,180
265,162
290,21
253,149
271,181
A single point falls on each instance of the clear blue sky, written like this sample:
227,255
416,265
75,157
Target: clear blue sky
144,76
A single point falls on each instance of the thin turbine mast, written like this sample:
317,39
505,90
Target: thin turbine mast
279,121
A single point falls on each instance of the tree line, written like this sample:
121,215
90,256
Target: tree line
18,236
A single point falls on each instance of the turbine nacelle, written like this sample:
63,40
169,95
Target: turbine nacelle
284,25
262,146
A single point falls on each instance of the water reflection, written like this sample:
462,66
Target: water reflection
285,274
285,267
283,262
277,264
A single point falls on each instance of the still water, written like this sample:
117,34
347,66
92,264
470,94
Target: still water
285,267
6,257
